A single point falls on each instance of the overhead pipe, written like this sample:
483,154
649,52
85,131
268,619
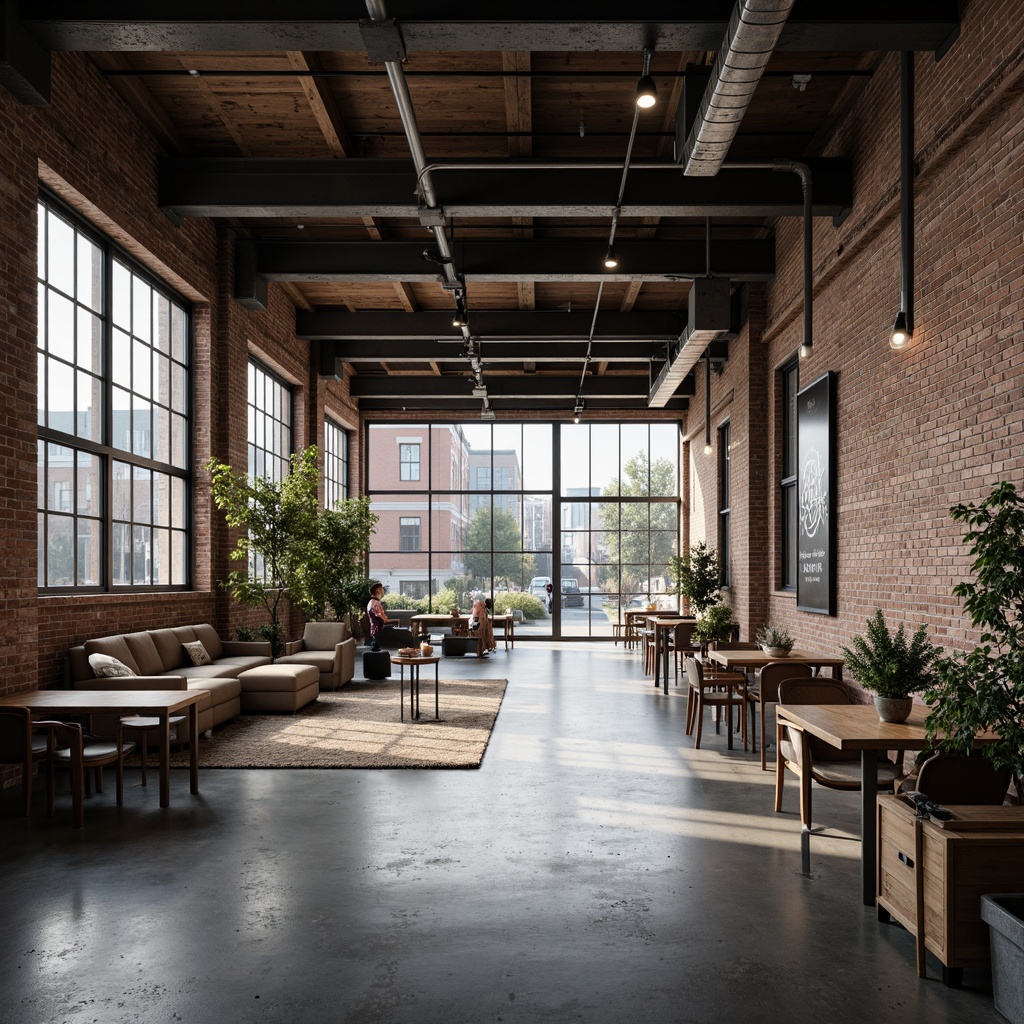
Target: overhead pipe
425,187
753,32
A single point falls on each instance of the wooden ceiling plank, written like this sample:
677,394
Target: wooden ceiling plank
322,103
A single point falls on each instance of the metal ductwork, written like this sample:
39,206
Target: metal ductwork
754,30
709,316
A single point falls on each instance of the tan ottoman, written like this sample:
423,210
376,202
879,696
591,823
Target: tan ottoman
278,687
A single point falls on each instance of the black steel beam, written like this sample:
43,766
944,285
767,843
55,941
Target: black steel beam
556,405
245,187
453,350
453,25
643,260
517,386
24,63
508,326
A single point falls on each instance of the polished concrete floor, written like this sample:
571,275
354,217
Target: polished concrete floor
595,868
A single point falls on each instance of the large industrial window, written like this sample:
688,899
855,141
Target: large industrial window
270,423
335,464
787,489
503,508
724,486
113,415
270,435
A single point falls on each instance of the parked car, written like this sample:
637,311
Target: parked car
538,586
572,596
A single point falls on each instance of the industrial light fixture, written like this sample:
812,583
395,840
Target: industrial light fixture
646,93
903,328
461,317
578,411
806,350
900,332
611,261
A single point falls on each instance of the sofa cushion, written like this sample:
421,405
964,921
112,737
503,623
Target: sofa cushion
144,651
322,636
197,653
220,690
211,641
108,667
217,670
323,660
168,646
116,647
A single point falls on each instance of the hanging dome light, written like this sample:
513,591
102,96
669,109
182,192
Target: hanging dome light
646,93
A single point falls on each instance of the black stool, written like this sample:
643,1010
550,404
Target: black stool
376,665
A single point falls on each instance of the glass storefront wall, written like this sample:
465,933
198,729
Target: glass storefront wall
505,508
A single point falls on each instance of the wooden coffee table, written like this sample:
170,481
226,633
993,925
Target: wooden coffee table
414,664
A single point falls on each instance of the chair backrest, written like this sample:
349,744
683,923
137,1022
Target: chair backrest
682,635
818,691
770,676
694,671
323,636
955,779
15,735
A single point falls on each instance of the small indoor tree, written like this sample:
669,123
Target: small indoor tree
697,577
983,689
279,520
323,581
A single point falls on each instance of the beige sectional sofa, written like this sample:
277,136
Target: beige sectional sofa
159,661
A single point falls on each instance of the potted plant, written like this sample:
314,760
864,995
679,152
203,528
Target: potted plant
982,690
774,641
697,576
892,666
713,625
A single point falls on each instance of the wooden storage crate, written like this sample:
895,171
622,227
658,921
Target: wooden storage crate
940,877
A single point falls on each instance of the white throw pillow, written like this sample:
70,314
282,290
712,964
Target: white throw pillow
198,653
107,666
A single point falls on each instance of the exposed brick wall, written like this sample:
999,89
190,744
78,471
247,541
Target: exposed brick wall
941,421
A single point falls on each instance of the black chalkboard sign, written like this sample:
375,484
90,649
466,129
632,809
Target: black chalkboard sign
816,488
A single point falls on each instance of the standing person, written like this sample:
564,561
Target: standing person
376,614
550,592
480,622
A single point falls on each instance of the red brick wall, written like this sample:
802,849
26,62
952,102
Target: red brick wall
941,421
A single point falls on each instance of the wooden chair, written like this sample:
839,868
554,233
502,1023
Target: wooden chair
681,644
715,689
79,754
955,779
765,690
23,743
143,726
812,759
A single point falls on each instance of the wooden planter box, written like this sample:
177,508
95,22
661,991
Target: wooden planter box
939,877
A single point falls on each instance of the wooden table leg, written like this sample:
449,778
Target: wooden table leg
164,729
868,823
193,747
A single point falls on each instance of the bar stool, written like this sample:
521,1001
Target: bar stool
144,726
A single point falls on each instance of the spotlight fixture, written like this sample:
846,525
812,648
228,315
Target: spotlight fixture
611,261
646,93
806,349
461,317
578,411
900,332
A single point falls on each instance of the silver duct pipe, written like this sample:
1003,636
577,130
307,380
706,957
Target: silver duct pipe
425,186
750,40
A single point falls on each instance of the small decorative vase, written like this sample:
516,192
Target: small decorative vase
893,709
426,650
776,652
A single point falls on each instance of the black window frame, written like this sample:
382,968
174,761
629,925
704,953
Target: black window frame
409,528
409,469
335,463
147,377
789,386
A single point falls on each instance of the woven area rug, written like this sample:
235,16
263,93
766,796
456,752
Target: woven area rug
358,727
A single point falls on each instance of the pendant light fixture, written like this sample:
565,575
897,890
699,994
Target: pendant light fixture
903,328
707,403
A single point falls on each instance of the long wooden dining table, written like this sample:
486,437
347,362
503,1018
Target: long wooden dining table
754,659
160,704
662,624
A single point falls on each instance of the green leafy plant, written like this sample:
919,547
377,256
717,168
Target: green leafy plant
697,577
278,520
891,664
529,605
775,637
335,557
982,689
714,624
